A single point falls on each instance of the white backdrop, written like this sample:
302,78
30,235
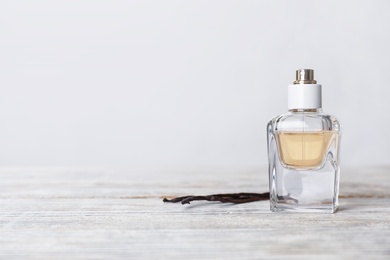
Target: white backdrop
176,83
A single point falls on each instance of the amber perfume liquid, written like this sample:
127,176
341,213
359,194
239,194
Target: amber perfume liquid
303,152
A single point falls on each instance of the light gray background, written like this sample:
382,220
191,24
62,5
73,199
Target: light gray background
123,84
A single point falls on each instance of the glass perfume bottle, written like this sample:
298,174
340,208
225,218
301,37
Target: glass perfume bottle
303,152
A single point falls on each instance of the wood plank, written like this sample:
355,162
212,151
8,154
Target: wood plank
67,213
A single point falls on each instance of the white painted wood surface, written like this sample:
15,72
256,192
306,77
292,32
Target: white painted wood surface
80,214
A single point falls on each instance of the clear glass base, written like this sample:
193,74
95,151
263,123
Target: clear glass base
280,207
314,191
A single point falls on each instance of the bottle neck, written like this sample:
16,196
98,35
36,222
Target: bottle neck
311,110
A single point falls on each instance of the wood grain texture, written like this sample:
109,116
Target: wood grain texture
90,214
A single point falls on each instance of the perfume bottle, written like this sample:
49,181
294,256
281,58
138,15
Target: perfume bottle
303,152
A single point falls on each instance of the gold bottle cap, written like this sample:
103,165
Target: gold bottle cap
304,76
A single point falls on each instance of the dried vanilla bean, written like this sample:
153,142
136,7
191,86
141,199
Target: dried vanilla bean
236,198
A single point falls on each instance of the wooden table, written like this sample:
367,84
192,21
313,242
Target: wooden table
79,214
